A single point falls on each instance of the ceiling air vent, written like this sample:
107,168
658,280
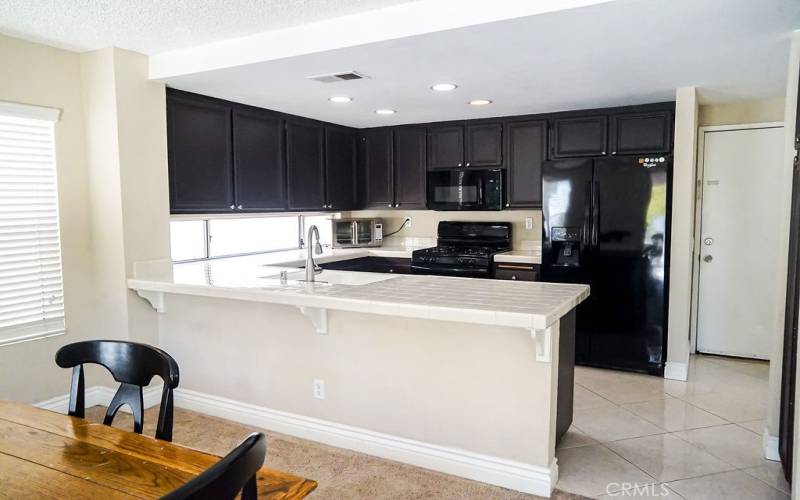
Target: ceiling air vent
339,77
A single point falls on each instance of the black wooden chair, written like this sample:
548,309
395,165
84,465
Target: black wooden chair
133,366
235,473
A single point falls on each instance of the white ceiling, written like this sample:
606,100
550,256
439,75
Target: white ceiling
151,27
616,53
528,56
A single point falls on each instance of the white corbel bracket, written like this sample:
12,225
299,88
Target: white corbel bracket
318,316
156,299
544,344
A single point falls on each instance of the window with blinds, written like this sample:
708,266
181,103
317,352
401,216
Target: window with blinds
31,291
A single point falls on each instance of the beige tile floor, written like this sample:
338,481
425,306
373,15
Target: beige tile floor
674,440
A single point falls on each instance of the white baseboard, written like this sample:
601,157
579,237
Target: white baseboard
676,371
493,470
99,395
770,444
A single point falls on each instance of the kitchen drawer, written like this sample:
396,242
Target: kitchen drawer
518,272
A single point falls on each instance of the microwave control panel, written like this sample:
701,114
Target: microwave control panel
378,231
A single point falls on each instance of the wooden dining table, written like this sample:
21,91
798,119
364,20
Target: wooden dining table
46,454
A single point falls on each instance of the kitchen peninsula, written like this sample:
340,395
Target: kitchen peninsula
470,377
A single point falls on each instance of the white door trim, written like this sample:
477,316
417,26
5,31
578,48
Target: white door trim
698,214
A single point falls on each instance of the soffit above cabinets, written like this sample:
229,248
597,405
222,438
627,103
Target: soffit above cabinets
607,54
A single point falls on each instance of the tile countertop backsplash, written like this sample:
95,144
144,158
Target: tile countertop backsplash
424,223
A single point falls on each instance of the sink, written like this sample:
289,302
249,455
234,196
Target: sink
336,277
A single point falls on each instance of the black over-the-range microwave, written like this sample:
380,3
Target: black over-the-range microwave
466,189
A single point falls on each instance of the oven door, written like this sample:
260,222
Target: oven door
456,190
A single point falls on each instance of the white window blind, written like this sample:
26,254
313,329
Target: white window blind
31,291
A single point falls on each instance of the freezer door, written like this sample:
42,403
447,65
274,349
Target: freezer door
566,215
630,245
566,222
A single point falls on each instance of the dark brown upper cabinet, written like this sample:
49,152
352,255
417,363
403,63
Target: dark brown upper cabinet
579,136
649,132
446,147
340,169
484,145
526,150
471,145
376,162
409,167
200,155
305,165
259,165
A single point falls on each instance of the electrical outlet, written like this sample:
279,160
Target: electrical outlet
528,222
319,389
408,222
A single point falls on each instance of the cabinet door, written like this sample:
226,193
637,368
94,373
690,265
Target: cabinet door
199,152
484,145
259,167
340,168
377,164
633,133
409,167
305,166
582,136
446,147
526,147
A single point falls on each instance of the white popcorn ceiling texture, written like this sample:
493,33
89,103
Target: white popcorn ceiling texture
154,26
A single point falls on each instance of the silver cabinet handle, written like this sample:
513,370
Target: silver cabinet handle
468,164
459,164
239,207
390,205
233,207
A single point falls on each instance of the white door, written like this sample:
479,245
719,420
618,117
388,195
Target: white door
740,234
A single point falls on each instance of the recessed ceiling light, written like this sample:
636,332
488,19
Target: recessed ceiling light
385,111
444,87
340,99
480,102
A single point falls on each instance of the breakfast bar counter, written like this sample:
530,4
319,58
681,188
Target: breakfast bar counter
471,377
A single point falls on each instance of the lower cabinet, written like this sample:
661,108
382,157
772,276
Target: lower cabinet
516,272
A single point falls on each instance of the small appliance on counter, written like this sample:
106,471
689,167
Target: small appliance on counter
463,249
466,189
353,233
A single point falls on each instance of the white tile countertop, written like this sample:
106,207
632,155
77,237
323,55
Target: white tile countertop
530,305
525,256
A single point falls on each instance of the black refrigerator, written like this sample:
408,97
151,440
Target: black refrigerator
606,223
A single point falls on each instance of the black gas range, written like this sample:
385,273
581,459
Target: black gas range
463,249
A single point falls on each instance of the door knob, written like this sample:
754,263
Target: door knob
708,258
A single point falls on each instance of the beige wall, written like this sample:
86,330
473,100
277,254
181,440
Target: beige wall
735,113
682,232
460,385
40,75
424,222
113,201
127,153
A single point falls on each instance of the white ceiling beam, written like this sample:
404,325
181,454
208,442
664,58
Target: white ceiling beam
404,20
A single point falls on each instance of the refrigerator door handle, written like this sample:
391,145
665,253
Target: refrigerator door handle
587,215
595,212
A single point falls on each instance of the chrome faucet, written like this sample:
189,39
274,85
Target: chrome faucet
311,267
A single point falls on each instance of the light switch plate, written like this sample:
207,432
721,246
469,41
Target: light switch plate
528,222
